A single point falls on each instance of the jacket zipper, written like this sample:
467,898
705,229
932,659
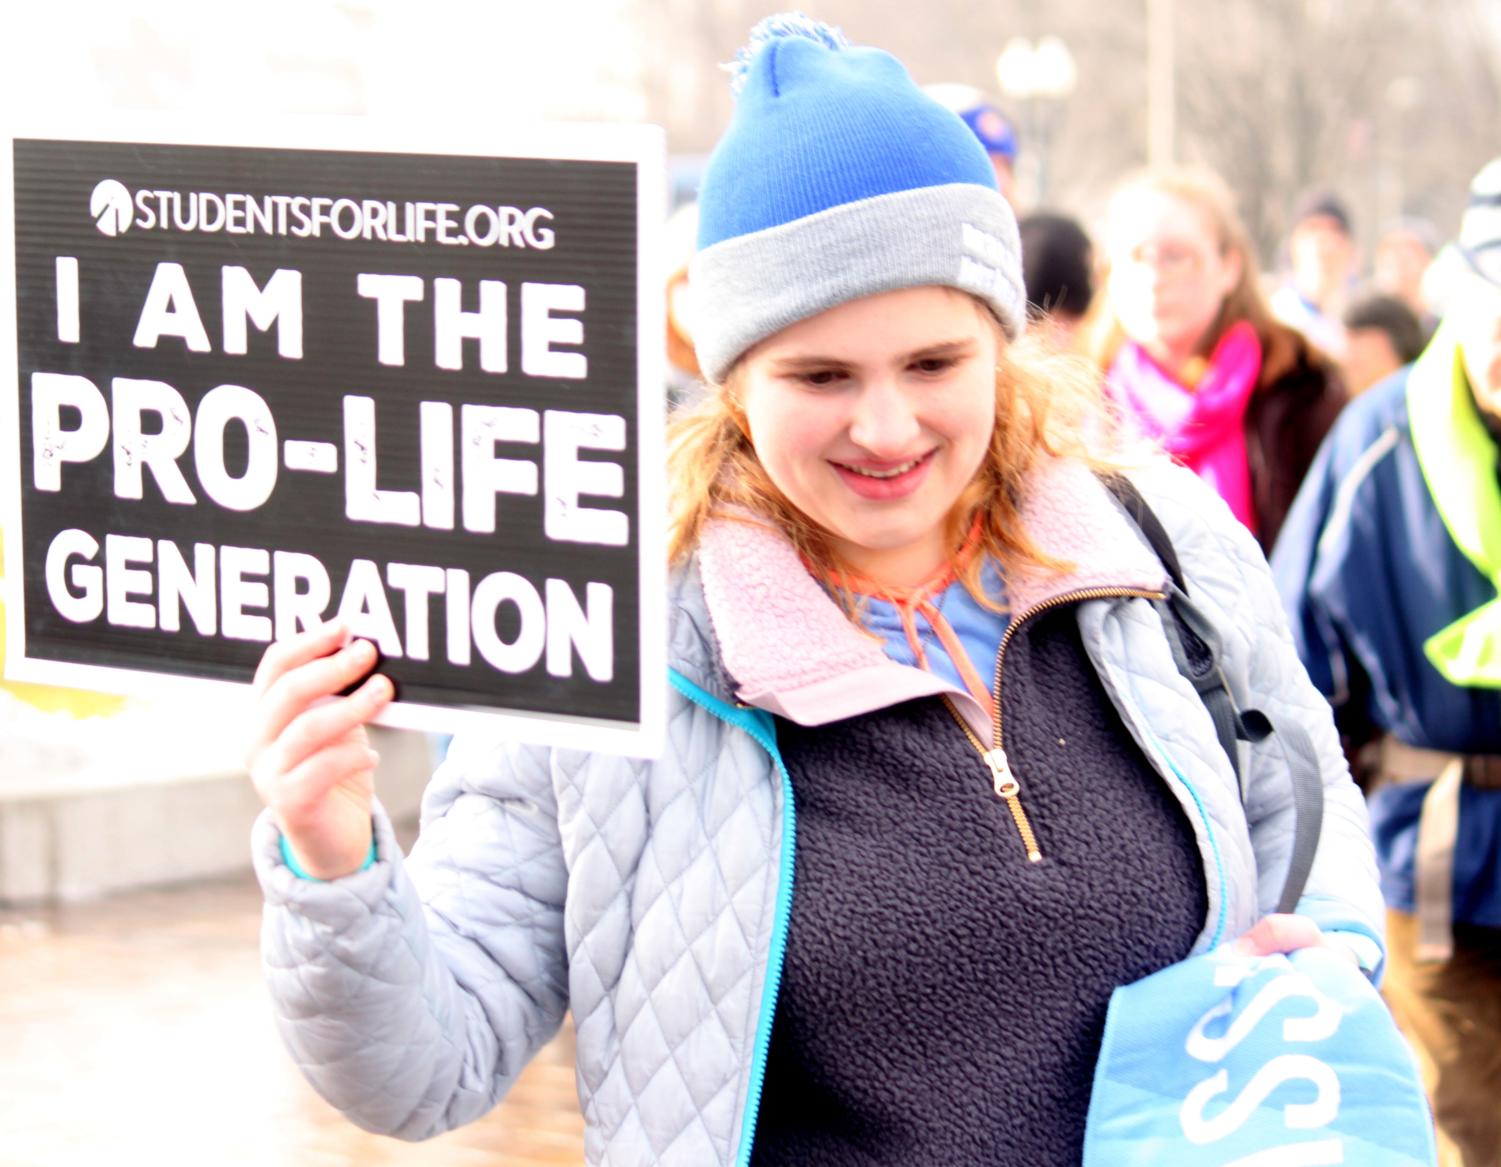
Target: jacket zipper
782,919
995,761
1003,780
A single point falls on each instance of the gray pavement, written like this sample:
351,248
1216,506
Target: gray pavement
135,1030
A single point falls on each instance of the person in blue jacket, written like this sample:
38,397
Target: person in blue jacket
1389,566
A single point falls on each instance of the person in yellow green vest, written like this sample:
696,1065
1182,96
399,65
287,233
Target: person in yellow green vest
51,698
1389,565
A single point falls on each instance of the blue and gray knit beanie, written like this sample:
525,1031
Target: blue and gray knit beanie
839,178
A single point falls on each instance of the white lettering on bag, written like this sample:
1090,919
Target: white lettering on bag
1321,1025
1201,1128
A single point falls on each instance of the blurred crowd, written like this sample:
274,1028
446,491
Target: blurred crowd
1360,316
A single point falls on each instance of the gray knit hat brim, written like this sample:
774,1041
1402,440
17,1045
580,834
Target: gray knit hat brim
959,235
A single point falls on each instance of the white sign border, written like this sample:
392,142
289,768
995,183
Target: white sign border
643,146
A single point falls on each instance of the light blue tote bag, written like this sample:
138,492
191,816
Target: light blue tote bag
1233,1061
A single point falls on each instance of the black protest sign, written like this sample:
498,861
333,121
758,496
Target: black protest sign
257,386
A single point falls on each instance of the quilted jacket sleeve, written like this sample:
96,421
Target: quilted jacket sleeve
1228,577
412,993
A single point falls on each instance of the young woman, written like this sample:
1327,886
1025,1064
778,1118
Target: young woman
934,786
1192,353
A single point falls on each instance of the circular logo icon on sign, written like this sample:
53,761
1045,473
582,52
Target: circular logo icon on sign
111,206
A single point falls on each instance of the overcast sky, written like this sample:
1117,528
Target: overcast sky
474,59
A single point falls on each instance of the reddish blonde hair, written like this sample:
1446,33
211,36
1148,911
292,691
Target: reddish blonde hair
1045,405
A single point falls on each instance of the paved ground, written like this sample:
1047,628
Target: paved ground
136,1031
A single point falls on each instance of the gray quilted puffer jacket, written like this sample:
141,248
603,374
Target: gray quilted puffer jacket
652,898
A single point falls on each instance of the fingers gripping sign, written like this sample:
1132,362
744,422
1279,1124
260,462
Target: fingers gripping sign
310,758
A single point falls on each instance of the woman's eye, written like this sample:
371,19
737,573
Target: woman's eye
934,365
821,377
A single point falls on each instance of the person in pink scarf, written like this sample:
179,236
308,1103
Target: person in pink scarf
1192,354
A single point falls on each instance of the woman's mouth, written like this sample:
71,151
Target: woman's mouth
884,480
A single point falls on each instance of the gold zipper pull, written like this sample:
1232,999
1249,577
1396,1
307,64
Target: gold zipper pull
1007,787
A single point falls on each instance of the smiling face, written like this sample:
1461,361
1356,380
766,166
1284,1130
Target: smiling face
1169,272
872,418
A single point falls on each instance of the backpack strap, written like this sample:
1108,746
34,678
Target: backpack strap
1194,644
1193,648
1308,807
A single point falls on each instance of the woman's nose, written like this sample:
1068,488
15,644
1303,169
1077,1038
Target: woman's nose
884,421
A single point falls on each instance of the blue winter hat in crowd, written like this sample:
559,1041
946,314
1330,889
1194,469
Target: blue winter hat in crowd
1480,228
980,114
1229,1059
839,178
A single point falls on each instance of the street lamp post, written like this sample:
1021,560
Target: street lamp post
1038,76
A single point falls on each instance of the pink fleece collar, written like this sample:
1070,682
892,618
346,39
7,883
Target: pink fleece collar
793,652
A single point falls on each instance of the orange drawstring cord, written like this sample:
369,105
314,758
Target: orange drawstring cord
910,601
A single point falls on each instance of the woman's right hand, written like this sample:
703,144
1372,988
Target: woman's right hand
310,759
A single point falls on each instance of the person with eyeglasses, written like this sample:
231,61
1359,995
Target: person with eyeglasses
1192,353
